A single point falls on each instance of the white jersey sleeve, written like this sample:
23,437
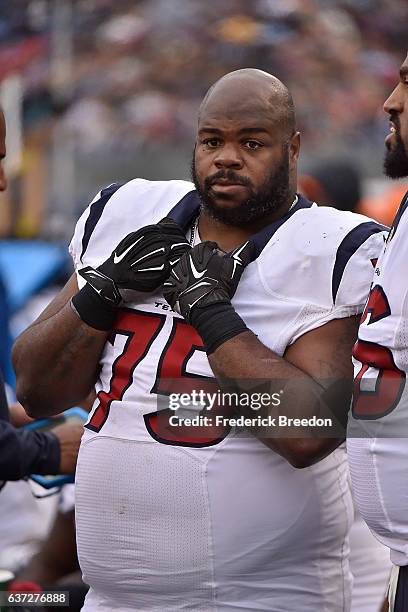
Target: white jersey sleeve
118,210
323,260
353,271
87,222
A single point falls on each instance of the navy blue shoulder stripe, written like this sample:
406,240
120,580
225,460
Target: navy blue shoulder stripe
95,212
348,246
261,239
188,208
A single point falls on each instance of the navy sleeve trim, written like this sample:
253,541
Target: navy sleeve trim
95,213
348,246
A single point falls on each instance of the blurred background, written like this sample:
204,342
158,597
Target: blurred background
96,91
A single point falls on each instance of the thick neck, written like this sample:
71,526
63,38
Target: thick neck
229,237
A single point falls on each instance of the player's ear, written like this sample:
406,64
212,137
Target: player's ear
294,147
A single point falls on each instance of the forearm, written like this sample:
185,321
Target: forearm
27,452
56,362
245,364
309,380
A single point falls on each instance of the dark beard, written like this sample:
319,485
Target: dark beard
272,195
396,159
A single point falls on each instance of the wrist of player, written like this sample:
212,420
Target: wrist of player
200,288
216,324
93,310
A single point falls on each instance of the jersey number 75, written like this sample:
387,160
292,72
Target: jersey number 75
141,330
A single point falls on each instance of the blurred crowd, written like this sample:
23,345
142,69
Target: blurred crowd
139,67
131,73
110,90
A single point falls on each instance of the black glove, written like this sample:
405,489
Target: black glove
141,262
200,288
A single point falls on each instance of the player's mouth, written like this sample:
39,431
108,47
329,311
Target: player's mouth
393,132
226,187
226,181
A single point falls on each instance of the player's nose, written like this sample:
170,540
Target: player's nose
228,156
394,102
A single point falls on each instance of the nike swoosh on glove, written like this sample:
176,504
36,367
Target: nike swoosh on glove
141,262
200,288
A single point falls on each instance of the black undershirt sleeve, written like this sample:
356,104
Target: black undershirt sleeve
4,413
24,452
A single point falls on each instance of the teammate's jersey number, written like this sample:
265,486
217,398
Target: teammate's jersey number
375,400
141,329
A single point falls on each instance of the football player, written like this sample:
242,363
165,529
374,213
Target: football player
377,441
234,278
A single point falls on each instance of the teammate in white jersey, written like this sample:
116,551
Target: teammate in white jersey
213,517
377,437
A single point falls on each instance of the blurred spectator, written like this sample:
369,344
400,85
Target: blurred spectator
334,182
383,207
106,100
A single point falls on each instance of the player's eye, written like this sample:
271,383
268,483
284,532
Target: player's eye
211,143
253,145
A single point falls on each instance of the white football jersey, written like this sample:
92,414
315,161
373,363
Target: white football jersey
370,566
378,428
167,522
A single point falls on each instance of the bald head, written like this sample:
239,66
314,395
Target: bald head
246,150
250,91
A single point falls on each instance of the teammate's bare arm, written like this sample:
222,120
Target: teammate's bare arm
318,371
56,358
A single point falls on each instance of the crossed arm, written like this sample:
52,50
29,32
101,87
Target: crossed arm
316,376
57,360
